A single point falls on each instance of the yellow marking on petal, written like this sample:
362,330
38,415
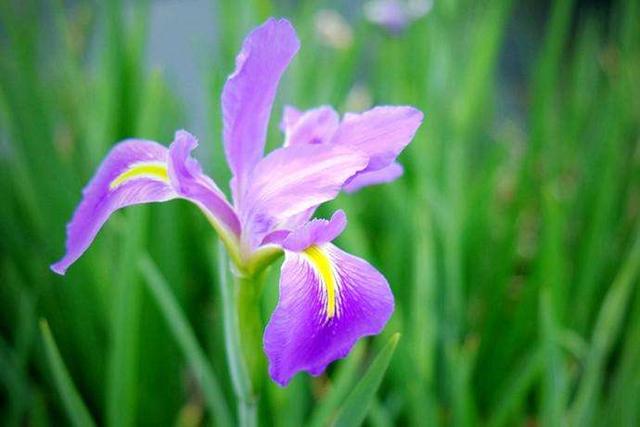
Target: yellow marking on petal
151,170
322,264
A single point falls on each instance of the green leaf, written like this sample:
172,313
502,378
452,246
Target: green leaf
605,332
357,404
187,341
513,394
343,381
122,380
76,409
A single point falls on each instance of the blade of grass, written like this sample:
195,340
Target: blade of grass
606,330
356,405
123,360
15,383
475,88
76,409
344,379
622,403
514,392
378,415
424,321
554,383
185,337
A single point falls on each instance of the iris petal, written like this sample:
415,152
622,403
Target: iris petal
136,172
315,126
381,176
382,133
328,300
125,178
292,180
192,184
249,92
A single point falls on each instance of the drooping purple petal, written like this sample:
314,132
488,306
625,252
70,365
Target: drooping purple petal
315,126
319,318
134,172
292,180
381,176
249,92
192,184
382,133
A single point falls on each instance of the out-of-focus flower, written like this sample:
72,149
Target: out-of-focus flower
359,98
396,15
332,29
328,298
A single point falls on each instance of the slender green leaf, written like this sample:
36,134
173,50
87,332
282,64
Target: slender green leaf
344,379
606,330
122,397
356,405
186,339
75,407
513,394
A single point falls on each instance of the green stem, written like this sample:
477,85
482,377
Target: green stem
243,335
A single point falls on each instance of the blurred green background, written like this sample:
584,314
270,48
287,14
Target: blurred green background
512,243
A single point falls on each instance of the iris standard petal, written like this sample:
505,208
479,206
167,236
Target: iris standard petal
248,95
381,176
315,126
306,233
328,300
192,184
316,232
292,180
290,116
381,132
134,172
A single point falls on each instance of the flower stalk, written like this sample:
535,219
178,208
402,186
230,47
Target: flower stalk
243,335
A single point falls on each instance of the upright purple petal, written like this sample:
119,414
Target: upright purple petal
382,133
315,126
316,232
134,172
249,92
381,176
292,180
328,300
290,116
192,184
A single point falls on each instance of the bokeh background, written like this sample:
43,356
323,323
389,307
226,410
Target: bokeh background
512,243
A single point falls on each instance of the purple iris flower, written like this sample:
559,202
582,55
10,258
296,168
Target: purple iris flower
328,298
396,15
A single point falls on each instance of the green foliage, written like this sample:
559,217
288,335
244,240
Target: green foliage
355,407
511,243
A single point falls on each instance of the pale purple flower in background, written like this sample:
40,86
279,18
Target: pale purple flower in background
332,29
396,15
358,99
328,298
